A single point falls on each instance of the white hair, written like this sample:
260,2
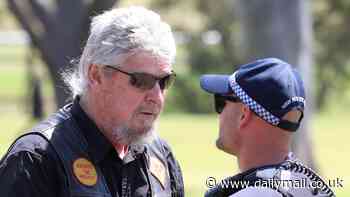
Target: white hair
117,34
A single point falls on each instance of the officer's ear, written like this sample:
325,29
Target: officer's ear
245,116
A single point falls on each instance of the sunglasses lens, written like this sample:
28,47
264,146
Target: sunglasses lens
143,81
146,82
219,103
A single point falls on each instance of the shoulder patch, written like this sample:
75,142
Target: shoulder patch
85,172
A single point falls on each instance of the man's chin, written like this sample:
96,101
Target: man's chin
143,127
220,145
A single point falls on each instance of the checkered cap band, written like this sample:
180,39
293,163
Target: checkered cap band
252,104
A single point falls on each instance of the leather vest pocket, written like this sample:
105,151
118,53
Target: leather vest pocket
158,189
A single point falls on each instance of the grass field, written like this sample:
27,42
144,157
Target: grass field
191,136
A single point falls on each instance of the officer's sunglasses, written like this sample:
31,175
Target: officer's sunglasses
145,81
220,101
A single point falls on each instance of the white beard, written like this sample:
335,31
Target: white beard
124,135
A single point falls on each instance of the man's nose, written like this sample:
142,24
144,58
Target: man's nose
156,94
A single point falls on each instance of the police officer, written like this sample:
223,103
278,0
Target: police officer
260,106
104,143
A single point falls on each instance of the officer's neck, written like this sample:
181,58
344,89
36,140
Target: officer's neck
262,144
257,157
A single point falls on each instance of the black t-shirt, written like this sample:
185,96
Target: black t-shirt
32,168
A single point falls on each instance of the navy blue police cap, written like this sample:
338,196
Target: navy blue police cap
270,88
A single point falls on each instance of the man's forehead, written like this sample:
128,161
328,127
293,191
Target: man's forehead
145,61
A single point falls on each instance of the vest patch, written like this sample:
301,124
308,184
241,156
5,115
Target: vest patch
85,172
158,171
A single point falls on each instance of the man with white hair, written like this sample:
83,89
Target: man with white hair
260,106
104,143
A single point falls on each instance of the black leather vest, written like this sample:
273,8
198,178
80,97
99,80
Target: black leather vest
63,133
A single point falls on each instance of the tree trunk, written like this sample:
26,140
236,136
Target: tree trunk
57,28
283,29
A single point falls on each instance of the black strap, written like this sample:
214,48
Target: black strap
289,126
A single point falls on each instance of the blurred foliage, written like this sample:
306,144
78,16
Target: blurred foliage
331,41
6,22
209,35
186,96
332,46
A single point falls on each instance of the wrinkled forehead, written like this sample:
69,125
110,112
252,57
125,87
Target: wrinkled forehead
145,61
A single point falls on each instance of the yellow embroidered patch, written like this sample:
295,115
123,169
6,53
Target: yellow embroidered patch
158,170
85,172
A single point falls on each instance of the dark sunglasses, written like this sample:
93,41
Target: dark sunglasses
145,81
220,101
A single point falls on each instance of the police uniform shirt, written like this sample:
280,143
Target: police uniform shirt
289,178
299,181
253,191
32,168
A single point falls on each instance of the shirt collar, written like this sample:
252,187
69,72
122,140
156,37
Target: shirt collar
98,145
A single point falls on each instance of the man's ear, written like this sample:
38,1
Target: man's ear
245,116
94,75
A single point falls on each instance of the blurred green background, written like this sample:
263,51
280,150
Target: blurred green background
186,123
